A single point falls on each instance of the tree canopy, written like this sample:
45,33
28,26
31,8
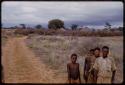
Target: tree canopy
55,24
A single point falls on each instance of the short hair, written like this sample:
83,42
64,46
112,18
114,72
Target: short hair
91,50
105,47
73,55
97,48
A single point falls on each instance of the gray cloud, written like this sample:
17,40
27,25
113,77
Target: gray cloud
83,13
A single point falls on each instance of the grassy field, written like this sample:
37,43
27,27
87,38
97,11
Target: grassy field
55,51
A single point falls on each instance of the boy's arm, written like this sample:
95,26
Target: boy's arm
95,70
113,70
68,70
79,74
85,67
2,74
113,76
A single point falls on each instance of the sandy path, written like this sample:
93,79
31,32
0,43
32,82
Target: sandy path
21,65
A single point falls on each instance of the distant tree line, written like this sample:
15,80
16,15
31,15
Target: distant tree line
56,26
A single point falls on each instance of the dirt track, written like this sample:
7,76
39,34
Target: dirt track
21,65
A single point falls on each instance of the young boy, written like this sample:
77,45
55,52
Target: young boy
105,66
89,75
89,60
73,70
97,55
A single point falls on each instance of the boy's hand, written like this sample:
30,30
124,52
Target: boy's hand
113,76
2,80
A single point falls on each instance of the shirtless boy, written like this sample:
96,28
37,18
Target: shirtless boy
89,61
73,70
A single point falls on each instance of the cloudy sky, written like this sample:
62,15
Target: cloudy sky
91,14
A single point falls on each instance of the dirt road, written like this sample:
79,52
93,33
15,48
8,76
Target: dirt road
21,65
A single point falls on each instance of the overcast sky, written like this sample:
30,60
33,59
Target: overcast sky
91,14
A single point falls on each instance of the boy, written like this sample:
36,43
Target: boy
88,64
73,70
97,52
105,66
89,75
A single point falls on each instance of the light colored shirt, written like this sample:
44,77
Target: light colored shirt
105,66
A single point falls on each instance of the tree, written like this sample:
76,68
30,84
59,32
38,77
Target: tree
74,26
2,25
38,26
108,25
16,27
120,28
23,26
55,24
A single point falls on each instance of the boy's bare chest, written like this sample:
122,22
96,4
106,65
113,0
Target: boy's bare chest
74,66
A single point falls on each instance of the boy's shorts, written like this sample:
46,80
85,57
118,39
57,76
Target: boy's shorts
75,81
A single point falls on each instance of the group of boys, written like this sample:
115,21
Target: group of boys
98,67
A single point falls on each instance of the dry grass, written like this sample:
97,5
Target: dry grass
55,51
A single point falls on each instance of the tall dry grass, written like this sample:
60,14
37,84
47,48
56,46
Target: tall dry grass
55,51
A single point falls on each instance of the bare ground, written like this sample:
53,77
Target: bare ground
21,66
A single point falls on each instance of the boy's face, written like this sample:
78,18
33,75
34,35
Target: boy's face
91,52
97,53
73,59
105,52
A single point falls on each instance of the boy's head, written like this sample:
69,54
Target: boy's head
97,52
105,51
73,58
91,51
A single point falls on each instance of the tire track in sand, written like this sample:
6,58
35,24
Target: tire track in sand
21,65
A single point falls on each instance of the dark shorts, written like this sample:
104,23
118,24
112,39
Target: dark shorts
74,77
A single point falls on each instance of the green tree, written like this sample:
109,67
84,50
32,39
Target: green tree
108,25
120,28
74,26
23,26
55,24
38,26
